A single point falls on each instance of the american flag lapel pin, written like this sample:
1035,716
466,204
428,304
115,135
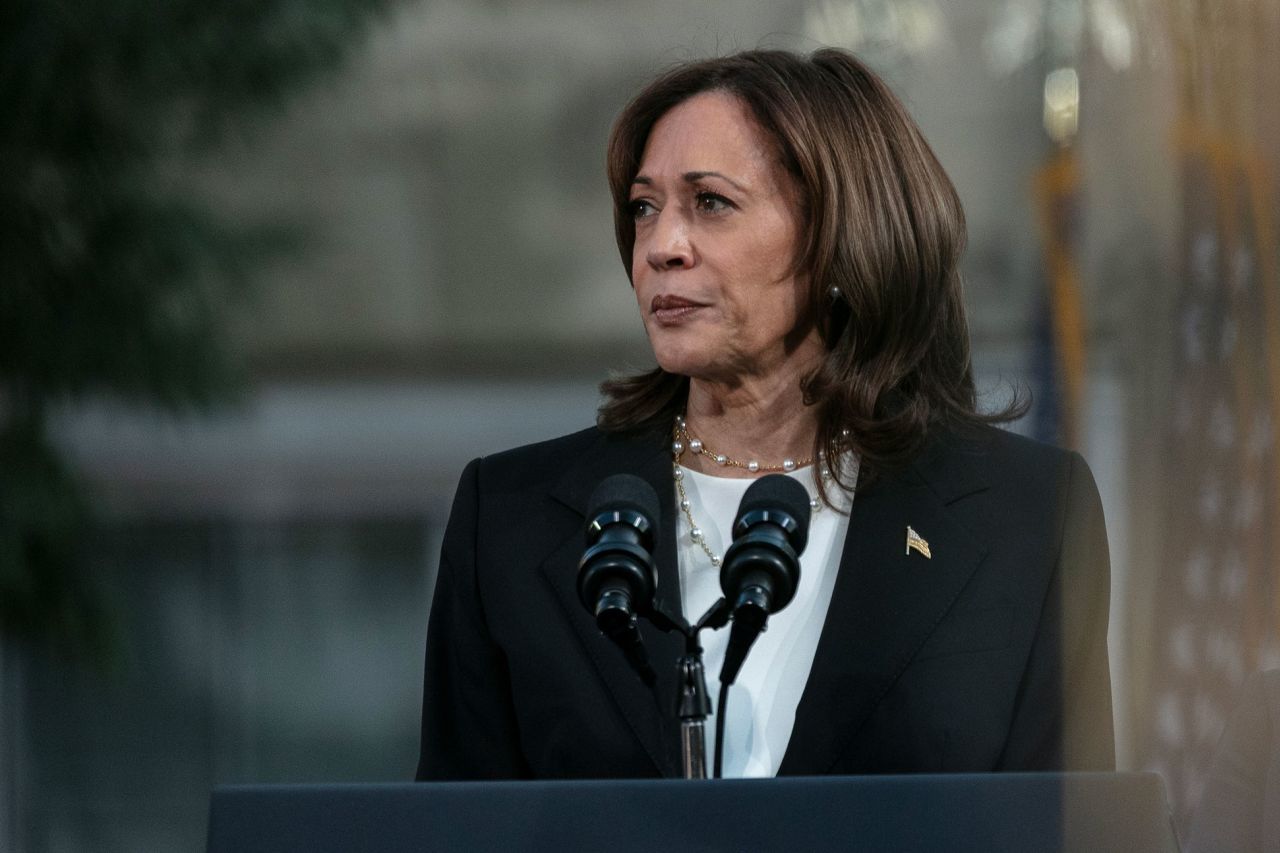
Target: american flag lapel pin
917,543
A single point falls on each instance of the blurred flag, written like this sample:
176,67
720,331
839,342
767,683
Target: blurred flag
1058,344
1217,601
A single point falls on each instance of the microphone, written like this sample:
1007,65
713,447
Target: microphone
616,577
762,567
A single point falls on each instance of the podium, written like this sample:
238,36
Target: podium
992,813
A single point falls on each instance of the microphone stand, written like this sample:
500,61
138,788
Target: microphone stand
693,704
692,707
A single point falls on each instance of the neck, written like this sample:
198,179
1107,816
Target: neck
764,419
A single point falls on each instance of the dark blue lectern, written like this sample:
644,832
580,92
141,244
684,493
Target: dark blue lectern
1094,812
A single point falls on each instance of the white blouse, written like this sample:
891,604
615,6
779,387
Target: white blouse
762,701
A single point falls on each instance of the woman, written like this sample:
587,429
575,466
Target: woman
793,246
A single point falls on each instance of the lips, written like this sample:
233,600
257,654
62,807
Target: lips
673,309
663,302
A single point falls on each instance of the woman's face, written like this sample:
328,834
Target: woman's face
716,230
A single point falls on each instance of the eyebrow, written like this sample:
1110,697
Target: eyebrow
693,177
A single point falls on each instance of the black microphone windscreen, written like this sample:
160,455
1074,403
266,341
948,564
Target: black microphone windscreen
622,492
778,492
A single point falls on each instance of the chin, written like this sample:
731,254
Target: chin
689,351
681,361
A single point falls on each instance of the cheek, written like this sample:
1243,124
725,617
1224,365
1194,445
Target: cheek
639,253
640,287
641,273
771,314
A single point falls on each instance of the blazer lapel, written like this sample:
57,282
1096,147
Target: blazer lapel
886,601
650,713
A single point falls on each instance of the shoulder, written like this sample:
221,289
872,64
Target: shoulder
981,457
539,461
1018,491
565,466
535,466
510,497
993,446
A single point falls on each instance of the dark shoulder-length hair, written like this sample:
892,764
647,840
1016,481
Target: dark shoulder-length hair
882,233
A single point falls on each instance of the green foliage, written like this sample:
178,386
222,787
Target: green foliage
42,598
111,282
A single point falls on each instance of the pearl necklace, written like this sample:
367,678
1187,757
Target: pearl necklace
682,441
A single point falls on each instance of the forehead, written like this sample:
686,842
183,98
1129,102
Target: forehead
711,131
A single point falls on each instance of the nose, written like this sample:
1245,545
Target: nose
667,245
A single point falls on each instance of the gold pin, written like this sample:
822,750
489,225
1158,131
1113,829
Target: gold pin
916,541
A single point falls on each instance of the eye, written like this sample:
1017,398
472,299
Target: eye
709,202
641,208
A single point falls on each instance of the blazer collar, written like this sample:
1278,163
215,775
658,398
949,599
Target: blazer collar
887,600
650,713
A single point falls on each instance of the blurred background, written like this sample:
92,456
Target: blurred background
271,273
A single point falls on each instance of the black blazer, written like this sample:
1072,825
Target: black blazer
991,655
